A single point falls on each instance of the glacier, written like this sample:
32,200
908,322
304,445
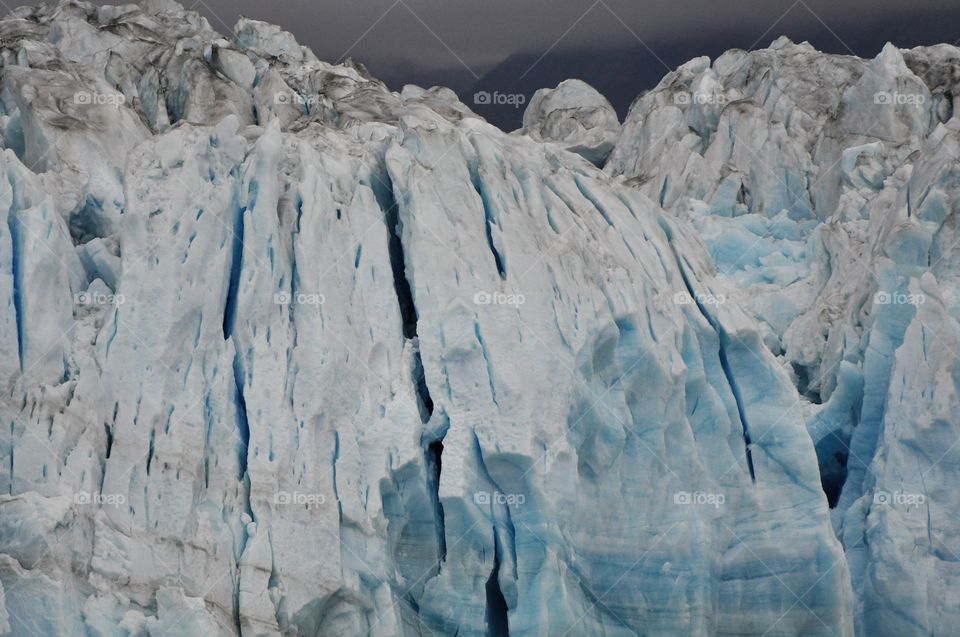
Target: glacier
825,189
285,352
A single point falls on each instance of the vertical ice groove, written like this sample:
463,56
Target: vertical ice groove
231,303
735,389
229,320
151,449
243,431
434,462
243,427
723,341
10,468
503,530
497,624
594,201
16,266
333,463
383,190
236,267
432,448
483,193
207,425
401,285
486,358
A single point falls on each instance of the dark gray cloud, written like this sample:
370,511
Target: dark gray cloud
476,34
620,46
480,33
455,42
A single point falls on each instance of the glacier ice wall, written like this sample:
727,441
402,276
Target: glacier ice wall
287,353
825,190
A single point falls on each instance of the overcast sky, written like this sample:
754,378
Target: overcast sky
452,42
476,34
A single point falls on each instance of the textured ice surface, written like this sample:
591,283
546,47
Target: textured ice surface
285,353
575,115
825,189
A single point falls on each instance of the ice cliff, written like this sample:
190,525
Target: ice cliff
826,190
287,353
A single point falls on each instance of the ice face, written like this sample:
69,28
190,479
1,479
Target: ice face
284,352
824,188
575,115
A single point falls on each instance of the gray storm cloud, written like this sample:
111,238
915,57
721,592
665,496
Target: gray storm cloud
474,35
